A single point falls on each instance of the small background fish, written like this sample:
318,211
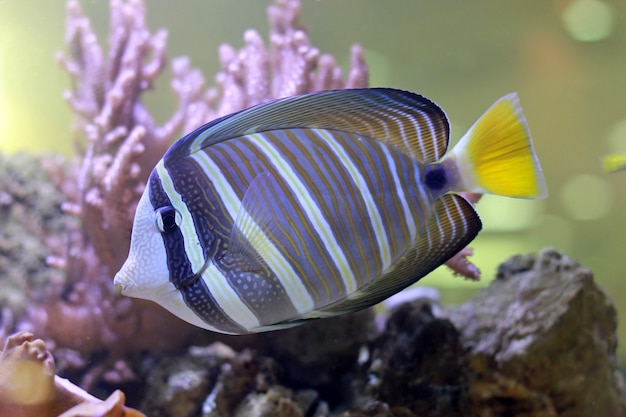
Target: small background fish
317,205
614,163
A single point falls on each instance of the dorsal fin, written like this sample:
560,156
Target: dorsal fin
454,225
412,123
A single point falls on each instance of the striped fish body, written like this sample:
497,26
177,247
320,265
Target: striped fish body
301,208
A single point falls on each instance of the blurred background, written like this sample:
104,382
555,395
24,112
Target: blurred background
565,58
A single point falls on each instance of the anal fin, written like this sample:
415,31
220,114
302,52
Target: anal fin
453,226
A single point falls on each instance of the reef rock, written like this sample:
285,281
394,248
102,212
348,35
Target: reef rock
538,342
30,217
417,366
541,341
178,384
216,381
322,352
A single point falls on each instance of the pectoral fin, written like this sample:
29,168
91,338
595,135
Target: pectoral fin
254,225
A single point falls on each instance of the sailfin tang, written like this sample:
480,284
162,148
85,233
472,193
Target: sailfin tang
496,155
408,121
453,226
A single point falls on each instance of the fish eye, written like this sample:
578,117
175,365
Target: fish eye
167,219
436,178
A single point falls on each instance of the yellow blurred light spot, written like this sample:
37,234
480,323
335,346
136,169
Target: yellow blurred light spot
3,129
587,197
588,20
34,117
614,162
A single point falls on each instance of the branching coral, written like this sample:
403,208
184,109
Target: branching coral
257,73
122,141
82,315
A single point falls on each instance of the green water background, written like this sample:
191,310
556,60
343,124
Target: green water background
566,59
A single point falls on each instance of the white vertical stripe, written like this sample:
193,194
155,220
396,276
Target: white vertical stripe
408,219
372,210
228,299
223,294
295,289
193,249
461,219
173,300
311,209
408,114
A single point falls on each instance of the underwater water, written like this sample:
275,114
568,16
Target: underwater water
565,59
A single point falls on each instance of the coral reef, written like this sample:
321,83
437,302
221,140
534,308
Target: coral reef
26,372
29,386
539,341
88,217
122,141
113,406
542,337
30,223
215,381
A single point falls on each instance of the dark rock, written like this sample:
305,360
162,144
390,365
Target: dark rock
538,342
418,365
542,341
178,385
323,351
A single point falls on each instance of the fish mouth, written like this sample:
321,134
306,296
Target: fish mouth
123,278
179,284
125,284
122,286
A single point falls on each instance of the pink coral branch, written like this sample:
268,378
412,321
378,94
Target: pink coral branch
123,143
459,264
83,314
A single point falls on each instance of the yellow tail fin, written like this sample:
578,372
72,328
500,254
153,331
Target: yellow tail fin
496,155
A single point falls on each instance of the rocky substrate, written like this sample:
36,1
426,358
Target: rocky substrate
539,341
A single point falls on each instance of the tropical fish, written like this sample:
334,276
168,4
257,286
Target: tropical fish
317,205
614,163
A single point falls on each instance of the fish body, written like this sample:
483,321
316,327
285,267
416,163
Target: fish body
316,205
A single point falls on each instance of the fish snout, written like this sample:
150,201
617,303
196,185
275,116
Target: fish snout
126,277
